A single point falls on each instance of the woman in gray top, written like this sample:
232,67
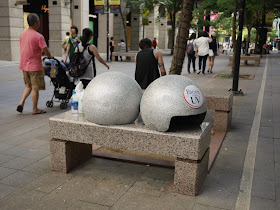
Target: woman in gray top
122,47
89,52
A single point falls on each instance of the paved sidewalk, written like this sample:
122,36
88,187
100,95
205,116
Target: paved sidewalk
26,181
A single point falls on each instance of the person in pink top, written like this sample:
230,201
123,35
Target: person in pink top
31,45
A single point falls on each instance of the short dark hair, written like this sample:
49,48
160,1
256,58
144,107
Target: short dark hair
145,43
67,33
193,36
32,18
112,37
122,40
76,29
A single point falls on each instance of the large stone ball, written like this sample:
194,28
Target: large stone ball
172,99
112,98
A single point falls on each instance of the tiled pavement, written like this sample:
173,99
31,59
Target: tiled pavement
26,181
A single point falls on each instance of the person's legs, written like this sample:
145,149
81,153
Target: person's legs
199,64
213,60
35,98
189,63
121,58
193,62
204,59
25,94
209,63
38,83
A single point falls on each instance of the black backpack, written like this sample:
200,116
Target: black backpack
78,63
190,48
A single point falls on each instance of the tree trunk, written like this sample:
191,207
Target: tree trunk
234,32
181,40
248,40
124,29
173,22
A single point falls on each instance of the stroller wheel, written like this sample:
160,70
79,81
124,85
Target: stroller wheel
63,105
49,104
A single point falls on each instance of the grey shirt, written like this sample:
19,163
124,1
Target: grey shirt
89,74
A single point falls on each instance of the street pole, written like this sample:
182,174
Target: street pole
238,48
107,30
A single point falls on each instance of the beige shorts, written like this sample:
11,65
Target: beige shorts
34,80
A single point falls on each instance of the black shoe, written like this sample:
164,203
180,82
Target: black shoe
189,71
194,71
199,71
19,108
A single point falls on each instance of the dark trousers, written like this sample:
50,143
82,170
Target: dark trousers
191,59
111,50
202,59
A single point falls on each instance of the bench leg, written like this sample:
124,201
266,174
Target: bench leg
257,63
66,155
190,175
222,120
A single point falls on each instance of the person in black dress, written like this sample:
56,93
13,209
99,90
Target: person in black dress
148,62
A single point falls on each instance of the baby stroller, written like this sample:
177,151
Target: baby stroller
63,87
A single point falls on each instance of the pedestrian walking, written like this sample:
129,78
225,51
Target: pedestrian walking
122,47
73,42
112,47
148,62
202,50
213,51
191,52
31,45
89,53
155,43
65,41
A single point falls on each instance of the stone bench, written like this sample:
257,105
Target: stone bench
256,58
73,137
131,54
221,101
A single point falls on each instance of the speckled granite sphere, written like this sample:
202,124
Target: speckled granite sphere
112,98
172,99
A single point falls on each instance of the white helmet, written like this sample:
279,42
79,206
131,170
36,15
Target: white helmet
172,99
112,98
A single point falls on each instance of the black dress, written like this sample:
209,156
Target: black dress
146,68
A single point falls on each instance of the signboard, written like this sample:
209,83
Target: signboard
269,18
115,6
99,6
193,96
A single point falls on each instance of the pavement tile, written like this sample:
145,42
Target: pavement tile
86,205
4,158
266,132
175,201
6,189
16,151
153,172
5,146
205,207
19,178
276,130
132,200
277,175
18,163
48,182
261,204
24,199
34,144
35,154
151,187
6,172
40,167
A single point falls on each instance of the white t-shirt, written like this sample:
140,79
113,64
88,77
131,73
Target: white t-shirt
203,45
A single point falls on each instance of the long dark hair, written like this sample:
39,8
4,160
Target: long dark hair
87,33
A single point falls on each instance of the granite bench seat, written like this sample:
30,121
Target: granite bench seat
221,101
256,58
73,137
131,54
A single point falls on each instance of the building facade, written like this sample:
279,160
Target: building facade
56,18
